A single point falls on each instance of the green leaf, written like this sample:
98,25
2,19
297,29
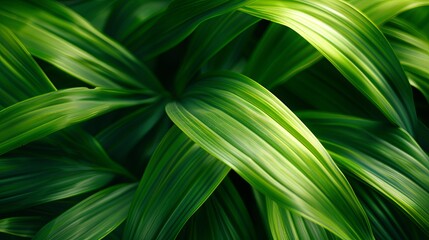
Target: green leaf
94,217
179,178
208,39
412,49
21,226
249,129
127,16
20,76
40,116
354,45
379,11
223,216
56,34
28,181
286,225
280,55
95,12
175,24
387,159
116,138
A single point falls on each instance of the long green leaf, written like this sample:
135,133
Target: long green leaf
40,116
208,39
54,33
20,77
117,139
28,181
127,16
21,226
279,55
387,159
179,178
286,225
223,216
354,45
379,11
94,217
249,129
412,49
176,23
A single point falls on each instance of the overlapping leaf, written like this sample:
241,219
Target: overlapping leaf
354,45
208,40
21,226
52,32
175,23
242,124
28,181
179,178
40,116
387,159
223,216
94,217
286,225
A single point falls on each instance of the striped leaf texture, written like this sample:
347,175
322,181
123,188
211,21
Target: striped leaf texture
214,119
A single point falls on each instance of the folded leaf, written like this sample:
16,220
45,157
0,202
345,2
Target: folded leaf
94,217
249,129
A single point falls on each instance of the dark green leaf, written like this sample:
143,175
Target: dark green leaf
179,178
94,217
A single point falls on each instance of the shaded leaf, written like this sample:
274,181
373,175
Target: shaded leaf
28,181
178,179
94,217
222,216
21,226
175,24
387,159
40,116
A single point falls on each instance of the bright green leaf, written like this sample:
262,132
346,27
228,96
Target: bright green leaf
249,129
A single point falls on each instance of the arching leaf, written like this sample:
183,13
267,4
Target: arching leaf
249,129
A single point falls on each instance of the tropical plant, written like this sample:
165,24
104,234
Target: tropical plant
214,119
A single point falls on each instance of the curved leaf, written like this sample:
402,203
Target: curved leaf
28,181
249,129
20,76
21,226
175,24
127,16
94,217
354,45
52,32
287,225
222,216
387,159
208,39
40,116
179,178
